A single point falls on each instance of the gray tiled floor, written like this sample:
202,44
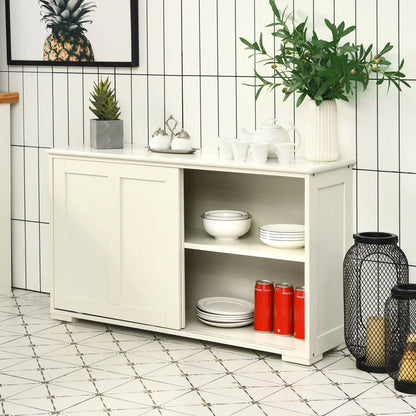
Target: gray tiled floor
88,369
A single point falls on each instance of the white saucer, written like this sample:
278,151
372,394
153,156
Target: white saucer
283,228
222,318
227,324
225,306
283,244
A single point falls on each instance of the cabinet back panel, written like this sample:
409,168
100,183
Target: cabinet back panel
269,199
217,274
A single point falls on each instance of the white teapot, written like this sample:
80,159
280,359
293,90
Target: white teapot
270,132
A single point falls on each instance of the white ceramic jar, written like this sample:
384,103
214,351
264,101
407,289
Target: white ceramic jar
160,140
181,141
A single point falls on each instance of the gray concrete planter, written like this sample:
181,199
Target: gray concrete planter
106,134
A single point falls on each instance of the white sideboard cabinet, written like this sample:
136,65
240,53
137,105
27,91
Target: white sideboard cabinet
129,247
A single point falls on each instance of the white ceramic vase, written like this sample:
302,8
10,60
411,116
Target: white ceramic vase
321,143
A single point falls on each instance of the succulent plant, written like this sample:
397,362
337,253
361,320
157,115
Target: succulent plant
104,103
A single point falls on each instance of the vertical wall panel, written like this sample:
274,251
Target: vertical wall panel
209,112
389,202
45,113
32,256
60,110
190,37
30,109
226,36
156,104
367,191
408,129
173,40
245,29
124,97
19,254
3,57
139,111
43,186
367,147
407,216
209,37
193,65
75,110
45,257
406,33
226,108
191,109
174,100
18,182
31,179
17,115
155,36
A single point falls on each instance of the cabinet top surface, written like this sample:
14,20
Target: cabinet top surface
199,160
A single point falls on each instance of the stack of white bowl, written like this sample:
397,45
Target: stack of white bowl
225,312
226,224
283,235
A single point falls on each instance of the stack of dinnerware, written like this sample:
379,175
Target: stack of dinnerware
225,312
226,224
283,235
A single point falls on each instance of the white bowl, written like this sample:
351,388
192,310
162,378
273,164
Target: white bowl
226,229
225,214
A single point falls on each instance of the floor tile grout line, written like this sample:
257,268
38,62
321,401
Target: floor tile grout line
239,384
137,376
86,367
291,386
193,388
35,356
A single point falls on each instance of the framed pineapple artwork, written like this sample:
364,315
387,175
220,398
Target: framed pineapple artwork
72,32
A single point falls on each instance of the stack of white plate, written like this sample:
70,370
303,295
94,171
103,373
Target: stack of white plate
283,235
225,312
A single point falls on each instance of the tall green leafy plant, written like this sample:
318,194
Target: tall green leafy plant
317,68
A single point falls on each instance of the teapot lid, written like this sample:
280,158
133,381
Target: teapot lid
271,123
159,132
183,135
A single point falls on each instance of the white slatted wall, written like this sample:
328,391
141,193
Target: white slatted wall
193,66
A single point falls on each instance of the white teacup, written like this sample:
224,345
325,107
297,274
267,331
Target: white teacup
240,150
259,152
286,152
225,148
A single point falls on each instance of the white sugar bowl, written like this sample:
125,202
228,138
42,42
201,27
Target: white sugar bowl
160,140
181,141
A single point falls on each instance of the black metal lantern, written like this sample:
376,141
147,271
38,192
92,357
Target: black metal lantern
372,266
400,318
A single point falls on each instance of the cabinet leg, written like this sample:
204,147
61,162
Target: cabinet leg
303,361
64,318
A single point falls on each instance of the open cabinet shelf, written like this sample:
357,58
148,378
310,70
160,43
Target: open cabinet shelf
248,245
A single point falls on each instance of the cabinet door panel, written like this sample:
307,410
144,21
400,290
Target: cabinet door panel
150,256
117,251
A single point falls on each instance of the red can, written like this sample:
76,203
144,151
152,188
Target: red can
299,313
283,309
263,306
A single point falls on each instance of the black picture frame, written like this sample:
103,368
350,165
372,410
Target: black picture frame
18,23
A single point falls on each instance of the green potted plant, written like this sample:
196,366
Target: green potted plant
106,131
323,70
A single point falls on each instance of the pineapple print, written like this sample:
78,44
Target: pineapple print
67,41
